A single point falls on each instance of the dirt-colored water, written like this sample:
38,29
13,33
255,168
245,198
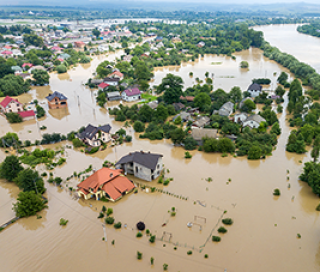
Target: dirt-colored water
262,238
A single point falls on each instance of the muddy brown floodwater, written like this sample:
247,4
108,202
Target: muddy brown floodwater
262,238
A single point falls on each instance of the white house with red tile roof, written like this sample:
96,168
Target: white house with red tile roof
130,95
102,86
27,115
10,104
116,74
107,183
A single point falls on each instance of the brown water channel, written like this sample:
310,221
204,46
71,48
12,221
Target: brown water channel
263,237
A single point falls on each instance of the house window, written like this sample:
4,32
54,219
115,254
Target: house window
17,105
158,166
137,170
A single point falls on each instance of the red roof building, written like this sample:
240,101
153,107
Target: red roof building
106,183
9,104
27,115
27,64
102,86
116,74
6,52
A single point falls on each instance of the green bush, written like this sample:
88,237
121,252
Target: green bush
109,211
189,252
222,230
187,155
166,182
227,221
139,234
101,215
152,239
216,238
13,117
206,256
276,192
77,142
117,225
139,255
109,220
63,222
318,207
128,138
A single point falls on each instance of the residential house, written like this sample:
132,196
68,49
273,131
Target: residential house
153,104
176,40
159,39
254,89
97,81
226,109
144,165
201,44
25,75
185,116
16,69
127,58
253,121
102,86
202,122
6,53
64,56
130,95
107,183
79,44
111,81
27,115
9,104
199,133
159,45
57,101
178,106
116,74
27,66
112,96
37,67
187,98
239,118
93,136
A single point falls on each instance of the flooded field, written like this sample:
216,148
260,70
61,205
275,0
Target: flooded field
262,238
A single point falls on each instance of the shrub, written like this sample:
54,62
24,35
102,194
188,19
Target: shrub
216,238
152,239
61,69
109,220
63,222
151,260
139,234
222,230
104,209
318,207
227,221
101,215
128,138
173,214
139,255
206,256
189,252
166,182
276,192
187,155
13,117
165,267
138,126
77,142
299,235
117,225
147,231
109,211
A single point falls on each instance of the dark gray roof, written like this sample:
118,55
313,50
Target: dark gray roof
111,79
56,94
90,131
255,87
147,159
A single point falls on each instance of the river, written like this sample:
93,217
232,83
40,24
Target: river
262,238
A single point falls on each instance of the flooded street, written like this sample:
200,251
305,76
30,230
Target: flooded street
262,238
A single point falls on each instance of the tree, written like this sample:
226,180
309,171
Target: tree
96,32
248,105
282,79
202,100
244,64
61,69
276,129
190,143
13,117
171,85
311,175
10,168
40,111
138,126
5,69
13,85
29,203
29,180
177,136
40,77
33,39
69,45
161,113
235,94
270,116
254,152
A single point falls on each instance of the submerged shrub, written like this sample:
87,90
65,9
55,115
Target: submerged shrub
276,192
109,220
117,225
227,221
216,238
222,230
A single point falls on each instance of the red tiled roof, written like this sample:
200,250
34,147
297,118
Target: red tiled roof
28,113
60,59
132,92
6,52
7,100
27,64
103,85
188,98
79,43
117,73
109,181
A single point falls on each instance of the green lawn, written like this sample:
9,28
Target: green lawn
148,98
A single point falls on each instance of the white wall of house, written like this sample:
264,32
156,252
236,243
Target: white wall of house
130,98
145,173
95,141
251,124
254,93
13,107
113,83
240,118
